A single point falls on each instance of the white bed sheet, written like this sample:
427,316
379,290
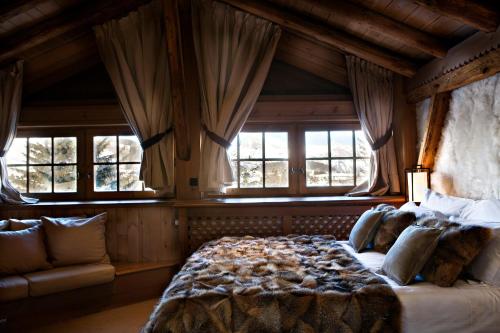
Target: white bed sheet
426,308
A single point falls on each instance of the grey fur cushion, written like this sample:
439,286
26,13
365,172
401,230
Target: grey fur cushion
392,225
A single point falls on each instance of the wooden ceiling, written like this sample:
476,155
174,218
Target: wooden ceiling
56,40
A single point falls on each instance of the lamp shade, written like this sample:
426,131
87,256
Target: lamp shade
417,181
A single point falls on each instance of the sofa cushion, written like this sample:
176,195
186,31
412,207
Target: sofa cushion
13,287
16,225
22,251
68,278
76,241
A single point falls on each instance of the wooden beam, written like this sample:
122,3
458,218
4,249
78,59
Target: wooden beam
438,109
78,18
12,8
470,12
361,19
338,39
177,84
478,69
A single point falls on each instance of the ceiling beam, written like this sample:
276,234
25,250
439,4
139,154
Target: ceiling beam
361,19
338,39
469,12
12,8
78,18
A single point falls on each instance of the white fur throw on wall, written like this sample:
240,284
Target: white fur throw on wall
422,114
468,159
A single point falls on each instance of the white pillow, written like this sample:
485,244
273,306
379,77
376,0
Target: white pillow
420,211
486,266
445,204
482,210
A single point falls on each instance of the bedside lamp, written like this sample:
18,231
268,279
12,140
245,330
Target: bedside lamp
417,181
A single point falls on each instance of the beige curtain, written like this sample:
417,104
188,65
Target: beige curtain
11,85
234,51
134,52
372,90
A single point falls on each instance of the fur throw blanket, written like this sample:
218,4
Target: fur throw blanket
278,284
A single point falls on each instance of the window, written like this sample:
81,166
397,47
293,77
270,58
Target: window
260,159
99,163
43,164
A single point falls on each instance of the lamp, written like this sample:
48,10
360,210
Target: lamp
417,181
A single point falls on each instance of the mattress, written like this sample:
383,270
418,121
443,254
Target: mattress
468,306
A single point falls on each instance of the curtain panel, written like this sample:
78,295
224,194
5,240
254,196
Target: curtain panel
134,53
372,91
11,85
234,51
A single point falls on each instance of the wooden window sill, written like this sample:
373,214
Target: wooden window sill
85,203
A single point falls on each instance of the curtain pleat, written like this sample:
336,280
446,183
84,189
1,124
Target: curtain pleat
372,90
134,53
11,85
234,51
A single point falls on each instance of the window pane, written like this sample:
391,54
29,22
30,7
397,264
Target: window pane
17,152
317,173
276,144
40,151
234,167
65,177
316,144
18,178
276,173
250,145
251,174
105,149
362,170
342,173
363,149
40,179
129,177
130,149
232,152
64,150
341,143
105,178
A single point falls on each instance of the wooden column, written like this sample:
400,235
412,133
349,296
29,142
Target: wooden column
176,68
439,106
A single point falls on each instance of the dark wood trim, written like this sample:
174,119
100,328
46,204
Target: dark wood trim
327,35
12,8
471,12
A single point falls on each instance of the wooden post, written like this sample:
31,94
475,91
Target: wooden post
176,69
439,106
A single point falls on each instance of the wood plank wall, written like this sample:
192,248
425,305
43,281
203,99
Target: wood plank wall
134,234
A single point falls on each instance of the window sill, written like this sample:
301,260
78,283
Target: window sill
135,202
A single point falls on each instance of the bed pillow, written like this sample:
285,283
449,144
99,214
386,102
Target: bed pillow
421,212
445,204
76,241
458,245
365,228
4,225
482,210
392,225
16,225
22,251
410,252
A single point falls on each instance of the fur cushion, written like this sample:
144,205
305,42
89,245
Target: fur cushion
458,245
17,225
4,225
392,225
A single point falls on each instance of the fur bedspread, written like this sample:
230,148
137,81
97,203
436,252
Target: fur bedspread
277,284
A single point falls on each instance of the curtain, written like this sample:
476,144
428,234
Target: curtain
11,84
234,51
134,53
372,90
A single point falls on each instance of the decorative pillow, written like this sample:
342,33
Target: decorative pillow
16,225
458,245
4,225
410,252
76,241
384,208
365,228
482,210
420,211
22,251
445,204
392,225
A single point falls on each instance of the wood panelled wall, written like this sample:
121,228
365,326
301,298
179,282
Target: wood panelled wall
134,233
